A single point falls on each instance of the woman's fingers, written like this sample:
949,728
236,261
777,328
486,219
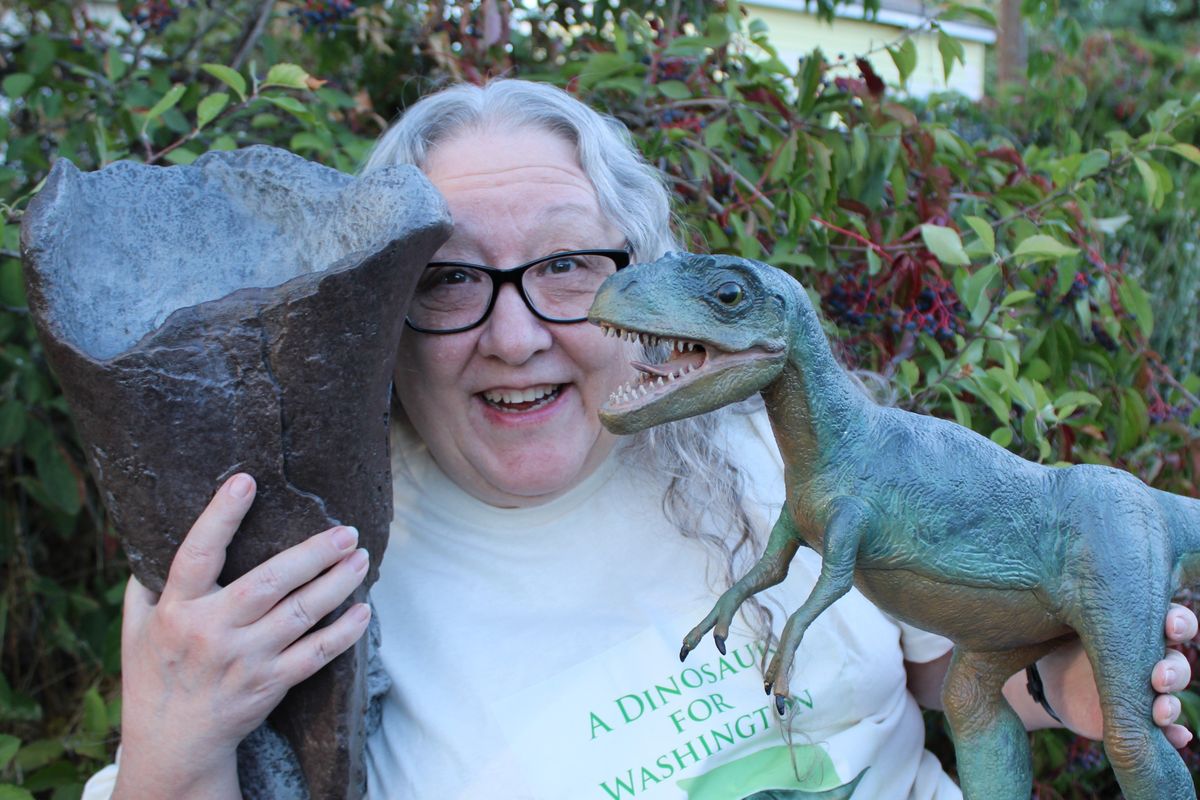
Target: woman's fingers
258,591
303,608
309,654
1172,674
1178,736
1181,624
201,555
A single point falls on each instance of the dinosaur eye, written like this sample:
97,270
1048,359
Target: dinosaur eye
729,293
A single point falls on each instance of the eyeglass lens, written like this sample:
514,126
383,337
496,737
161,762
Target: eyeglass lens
559,287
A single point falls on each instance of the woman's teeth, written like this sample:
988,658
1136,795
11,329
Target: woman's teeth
522,399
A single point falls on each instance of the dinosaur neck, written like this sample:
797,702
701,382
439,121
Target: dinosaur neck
813,405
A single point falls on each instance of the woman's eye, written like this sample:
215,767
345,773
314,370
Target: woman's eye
445,277
561,266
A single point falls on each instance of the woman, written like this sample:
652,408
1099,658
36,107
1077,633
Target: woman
537,585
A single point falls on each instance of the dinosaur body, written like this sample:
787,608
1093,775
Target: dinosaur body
936,524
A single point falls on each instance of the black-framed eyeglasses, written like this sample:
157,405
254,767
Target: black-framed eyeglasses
454,296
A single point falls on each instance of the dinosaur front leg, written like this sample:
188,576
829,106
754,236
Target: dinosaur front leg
845,530
990,741
771,568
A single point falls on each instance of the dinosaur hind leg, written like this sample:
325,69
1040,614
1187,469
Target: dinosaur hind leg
990,741
1123,648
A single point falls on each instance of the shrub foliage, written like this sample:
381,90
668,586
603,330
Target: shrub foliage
1026,266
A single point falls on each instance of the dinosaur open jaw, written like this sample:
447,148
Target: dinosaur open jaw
688,361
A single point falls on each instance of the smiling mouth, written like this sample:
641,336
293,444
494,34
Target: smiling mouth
516,401
686,361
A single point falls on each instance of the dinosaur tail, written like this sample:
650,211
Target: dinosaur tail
1183,519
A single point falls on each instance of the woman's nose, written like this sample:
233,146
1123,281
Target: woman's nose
512,333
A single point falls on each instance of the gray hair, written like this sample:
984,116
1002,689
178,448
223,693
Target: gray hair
705,497
630,191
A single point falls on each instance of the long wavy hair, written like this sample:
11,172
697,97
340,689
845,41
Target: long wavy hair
705,495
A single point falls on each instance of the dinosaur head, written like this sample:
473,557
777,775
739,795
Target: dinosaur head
722,319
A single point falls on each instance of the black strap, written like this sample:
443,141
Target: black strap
1037,690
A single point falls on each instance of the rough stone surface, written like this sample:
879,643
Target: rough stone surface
238,314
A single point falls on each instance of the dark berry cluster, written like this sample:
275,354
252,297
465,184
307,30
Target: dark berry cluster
1159,410
674,118
1085,755
1080,285
322,15
153,15
933,308
674,68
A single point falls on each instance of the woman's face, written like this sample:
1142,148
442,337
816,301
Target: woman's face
514,197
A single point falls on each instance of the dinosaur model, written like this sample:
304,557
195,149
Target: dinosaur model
936,524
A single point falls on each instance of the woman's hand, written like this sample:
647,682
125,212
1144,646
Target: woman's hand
203,665
1071,687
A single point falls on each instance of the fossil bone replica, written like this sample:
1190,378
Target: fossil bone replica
238,314
934,523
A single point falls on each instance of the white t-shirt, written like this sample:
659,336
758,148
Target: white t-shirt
534,654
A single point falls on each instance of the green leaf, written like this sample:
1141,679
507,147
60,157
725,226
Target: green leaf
17,84
985,232
290,104
905,58
1041,246
1067,403
38,754
1016,297
10,792
59,480
1154,194
1137,303
951,50
8,748
228,76
975,295
168,101
1002,436
785,161
181,156
290,76
959,11
674,90
12,423
944,243
114,64
810,80
210,107
1110,225
1091,164
95,715
1188,151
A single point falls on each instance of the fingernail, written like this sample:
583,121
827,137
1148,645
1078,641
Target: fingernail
1177,627
240,486
359,560
360,612
1169,676
345,537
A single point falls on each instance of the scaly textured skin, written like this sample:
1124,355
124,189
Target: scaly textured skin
936,524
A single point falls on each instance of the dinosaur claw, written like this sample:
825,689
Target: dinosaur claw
780,704
720,640
683,652
768,685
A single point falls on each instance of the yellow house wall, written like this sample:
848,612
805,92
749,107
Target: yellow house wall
795,34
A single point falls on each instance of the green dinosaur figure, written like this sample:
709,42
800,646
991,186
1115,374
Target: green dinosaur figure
934,523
